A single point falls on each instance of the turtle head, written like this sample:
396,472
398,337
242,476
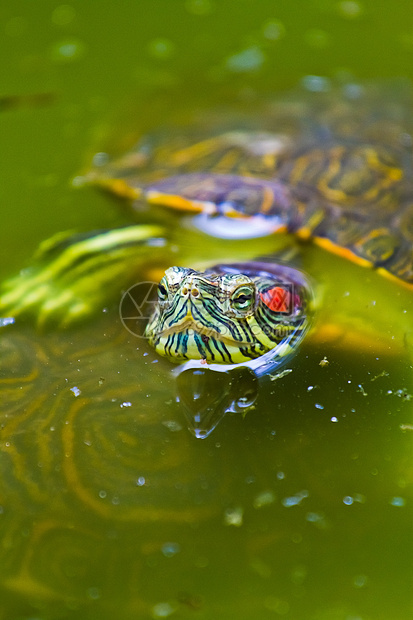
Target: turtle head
223,317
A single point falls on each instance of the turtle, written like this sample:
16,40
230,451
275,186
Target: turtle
334,168
107,507
331,169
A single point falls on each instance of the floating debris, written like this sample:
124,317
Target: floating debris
404,394
161,48
68,50
170,549
401,393
273,30
234,516
324,362
360,581
384,373
316,83
397,501
318,519
281,374
296,499
349,9
172,425
250,59
264,499
358,498
361,389
164,610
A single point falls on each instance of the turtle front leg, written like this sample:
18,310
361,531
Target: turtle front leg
74,275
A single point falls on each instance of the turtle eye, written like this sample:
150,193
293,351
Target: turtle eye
162,291
243,298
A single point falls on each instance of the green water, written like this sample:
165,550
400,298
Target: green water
302,509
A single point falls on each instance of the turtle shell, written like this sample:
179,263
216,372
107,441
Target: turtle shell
334,166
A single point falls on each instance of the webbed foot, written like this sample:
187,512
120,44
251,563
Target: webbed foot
75,275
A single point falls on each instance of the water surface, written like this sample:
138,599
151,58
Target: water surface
109,506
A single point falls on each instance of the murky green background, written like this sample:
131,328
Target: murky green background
301,510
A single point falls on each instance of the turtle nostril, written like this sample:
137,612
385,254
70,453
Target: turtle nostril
194,292
184,291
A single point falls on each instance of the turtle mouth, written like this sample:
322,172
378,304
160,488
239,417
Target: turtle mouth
205,332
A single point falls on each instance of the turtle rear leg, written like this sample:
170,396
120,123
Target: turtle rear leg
74,275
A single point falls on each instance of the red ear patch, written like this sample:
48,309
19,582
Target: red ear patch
277,299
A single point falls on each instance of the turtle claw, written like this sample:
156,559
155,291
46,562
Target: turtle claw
76,275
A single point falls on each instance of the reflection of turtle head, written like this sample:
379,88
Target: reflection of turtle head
225,317
207,396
